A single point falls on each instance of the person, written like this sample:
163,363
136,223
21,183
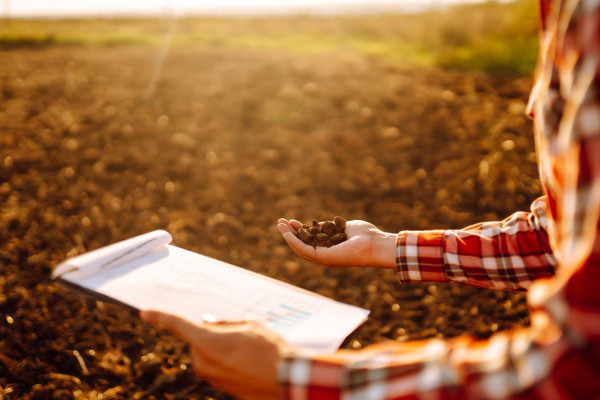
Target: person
553,252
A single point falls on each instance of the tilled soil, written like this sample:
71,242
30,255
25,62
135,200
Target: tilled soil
100,144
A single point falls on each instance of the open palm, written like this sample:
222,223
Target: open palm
364,247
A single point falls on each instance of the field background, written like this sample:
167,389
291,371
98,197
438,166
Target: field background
213,128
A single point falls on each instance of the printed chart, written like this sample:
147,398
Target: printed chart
286,318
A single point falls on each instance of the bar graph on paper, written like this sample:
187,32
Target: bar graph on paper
286,317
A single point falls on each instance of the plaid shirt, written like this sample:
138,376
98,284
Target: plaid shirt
559,355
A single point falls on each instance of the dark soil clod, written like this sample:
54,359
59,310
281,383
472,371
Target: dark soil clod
305,235
340,224
337,238
328,228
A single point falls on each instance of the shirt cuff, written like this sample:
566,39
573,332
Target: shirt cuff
420,256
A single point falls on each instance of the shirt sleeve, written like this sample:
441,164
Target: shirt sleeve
508,254
462,368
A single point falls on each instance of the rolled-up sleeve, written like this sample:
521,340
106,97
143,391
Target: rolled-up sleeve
508,254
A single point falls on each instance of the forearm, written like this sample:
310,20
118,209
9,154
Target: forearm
508,254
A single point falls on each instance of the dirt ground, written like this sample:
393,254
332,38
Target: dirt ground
98,144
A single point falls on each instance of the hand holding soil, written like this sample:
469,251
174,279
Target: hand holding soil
365,245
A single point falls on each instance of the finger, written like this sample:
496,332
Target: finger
283,228
182,328
295,224
233,325
292,224
292,240
285,222
299,247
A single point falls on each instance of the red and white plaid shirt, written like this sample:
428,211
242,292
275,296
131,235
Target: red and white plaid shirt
558,357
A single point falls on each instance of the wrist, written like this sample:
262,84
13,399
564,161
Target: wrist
384,250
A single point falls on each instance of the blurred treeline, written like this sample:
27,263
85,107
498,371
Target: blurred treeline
491,37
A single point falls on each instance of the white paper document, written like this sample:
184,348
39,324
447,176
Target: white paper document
146,272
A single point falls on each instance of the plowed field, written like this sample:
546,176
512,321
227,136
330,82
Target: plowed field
98,144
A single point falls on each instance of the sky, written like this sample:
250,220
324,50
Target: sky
54,8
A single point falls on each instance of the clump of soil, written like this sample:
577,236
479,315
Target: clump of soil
324,234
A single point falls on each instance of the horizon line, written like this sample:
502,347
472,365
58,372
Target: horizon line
261,11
